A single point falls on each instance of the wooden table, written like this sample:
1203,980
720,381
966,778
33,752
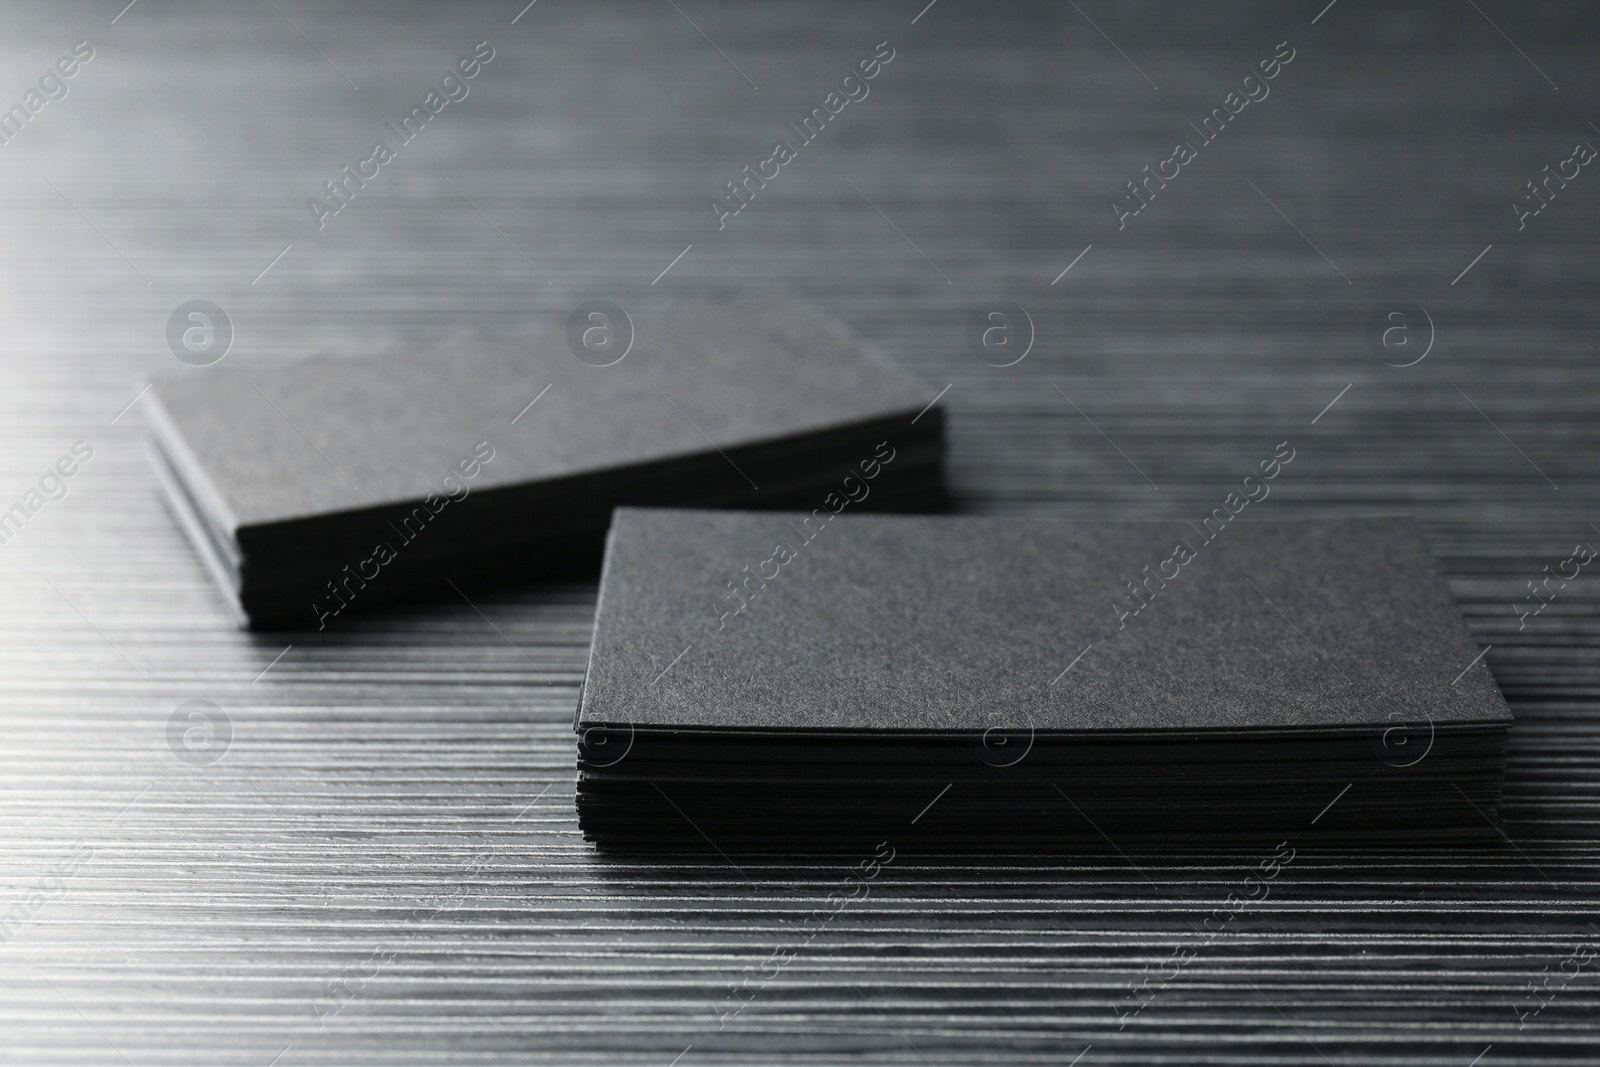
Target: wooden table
383,866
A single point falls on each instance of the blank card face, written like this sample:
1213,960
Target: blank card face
329,435
844,622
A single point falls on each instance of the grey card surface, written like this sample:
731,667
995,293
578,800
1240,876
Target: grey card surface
337,484
730,621
331,435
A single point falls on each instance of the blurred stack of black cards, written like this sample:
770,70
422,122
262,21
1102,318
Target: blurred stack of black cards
822,679
335,484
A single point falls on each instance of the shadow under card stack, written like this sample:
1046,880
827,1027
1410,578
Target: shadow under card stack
335,484
768,681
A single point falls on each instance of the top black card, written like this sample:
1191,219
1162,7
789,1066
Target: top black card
261,446
837,622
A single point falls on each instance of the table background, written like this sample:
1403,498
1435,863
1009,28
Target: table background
385,868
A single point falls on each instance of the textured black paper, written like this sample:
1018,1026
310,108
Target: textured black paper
930,624
284,477
278,444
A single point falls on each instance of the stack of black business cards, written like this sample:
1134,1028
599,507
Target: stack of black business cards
819,679
335,484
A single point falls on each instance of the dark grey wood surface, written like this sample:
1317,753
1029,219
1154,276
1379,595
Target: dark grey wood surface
384,866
